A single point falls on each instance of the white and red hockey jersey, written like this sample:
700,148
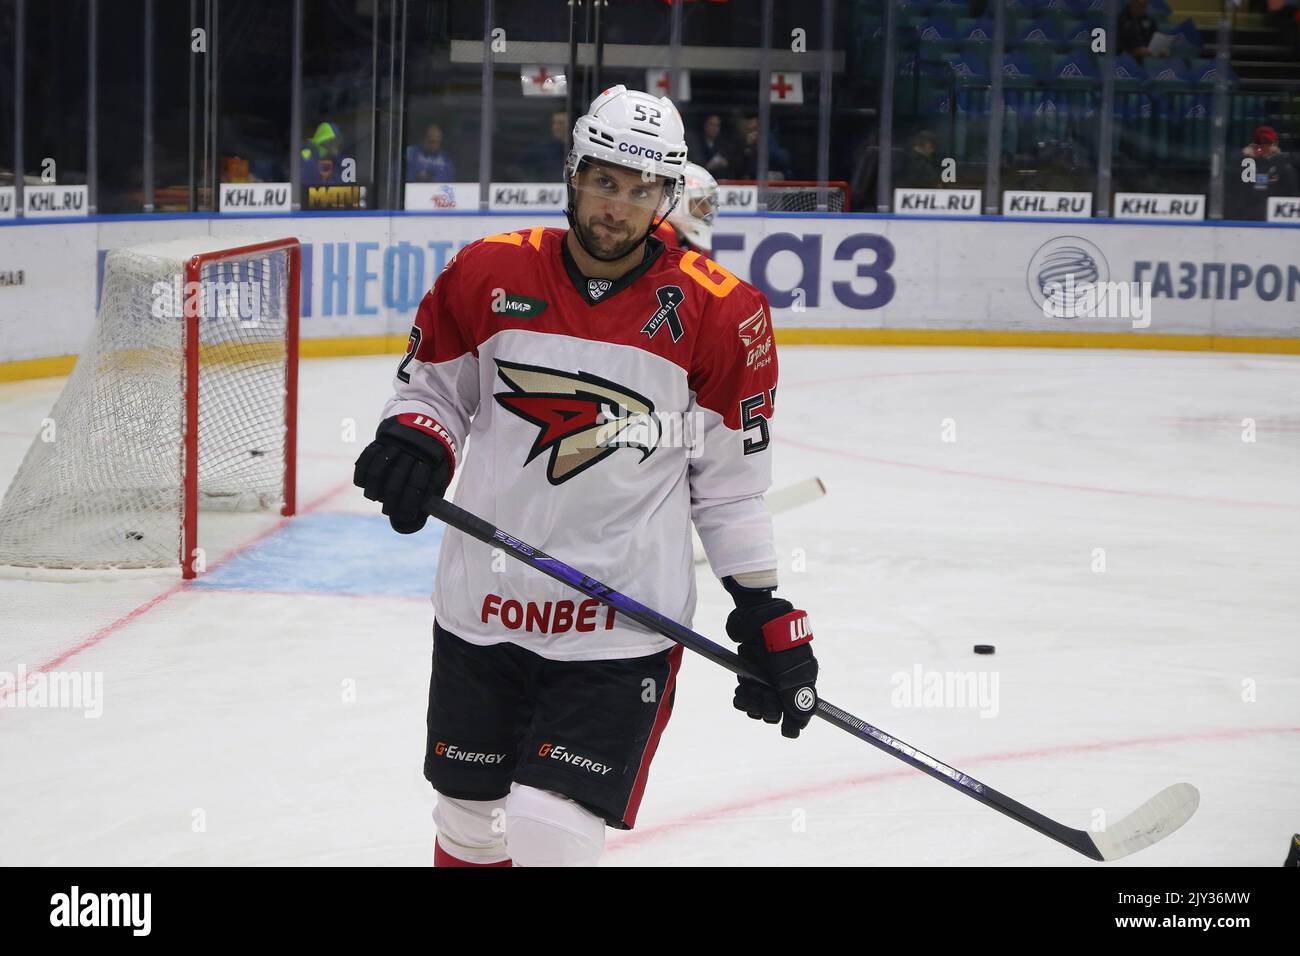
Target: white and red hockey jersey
593,419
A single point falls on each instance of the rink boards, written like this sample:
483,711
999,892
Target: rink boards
861,279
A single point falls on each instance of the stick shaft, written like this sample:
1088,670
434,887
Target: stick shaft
476,527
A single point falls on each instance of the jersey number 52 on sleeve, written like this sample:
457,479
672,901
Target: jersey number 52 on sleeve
752,416
412,346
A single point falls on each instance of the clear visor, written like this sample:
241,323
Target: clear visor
621,185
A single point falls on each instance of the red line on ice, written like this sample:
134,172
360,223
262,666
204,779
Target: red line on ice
643,835
1038,482
109,629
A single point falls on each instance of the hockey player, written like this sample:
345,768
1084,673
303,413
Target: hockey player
690,224
612,392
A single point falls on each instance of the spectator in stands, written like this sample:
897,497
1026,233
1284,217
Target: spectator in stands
778,157
1136,29
259,141
235,169
428,163
921,166
865,165
710,150
1274,175
320,157
544,162
747,148
249,148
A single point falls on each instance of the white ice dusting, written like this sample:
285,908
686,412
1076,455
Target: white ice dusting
1098,517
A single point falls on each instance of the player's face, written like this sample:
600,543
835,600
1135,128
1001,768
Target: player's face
704,208
614,207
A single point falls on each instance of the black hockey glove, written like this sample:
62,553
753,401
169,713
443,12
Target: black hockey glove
774,637
407,467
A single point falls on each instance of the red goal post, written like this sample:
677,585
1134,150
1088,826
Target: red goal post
193,344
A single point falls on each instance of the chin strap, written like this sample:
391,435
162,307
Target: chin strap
573,227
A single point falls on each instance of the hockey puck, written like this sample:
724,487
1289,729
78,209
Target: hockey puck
983,648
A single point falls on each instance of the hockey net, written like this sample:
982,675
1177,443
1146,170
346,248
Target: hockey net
183,399
790,195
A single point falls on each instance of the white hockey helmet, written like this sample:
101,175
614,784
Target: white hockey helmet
693,217
636,130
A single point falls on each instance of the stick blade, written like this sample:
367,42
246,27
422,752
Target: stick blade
1153,821
792,496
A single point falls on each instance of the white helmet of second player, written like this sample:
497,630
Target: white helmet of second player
693,217
633,129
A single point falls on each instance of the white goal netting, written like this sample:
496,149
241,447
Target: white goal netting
786,195
103,483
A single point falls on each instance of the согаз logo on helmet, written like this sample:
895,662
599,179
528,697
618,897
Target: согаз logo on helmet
635,150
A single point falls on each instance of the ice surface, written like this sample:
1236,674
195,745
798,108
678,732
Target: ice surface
273,711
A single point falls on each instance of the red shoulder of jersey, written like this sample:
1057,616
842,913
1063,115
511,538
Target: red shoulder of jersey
734,367
499,251
447,323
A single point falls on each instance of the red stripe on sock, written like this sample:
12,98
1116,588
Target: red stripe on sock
442,858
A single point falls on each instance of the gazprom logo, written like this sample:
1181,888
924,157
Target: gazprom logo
1065,261
635,150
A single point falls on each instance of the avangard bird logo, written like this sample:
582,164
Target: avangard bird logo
581,418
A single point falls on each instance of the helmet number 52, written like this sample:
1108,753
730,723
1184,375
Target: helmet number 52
647,114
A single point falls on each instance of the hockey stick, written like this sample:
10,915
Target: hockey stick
778,501
1154,820
792,496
